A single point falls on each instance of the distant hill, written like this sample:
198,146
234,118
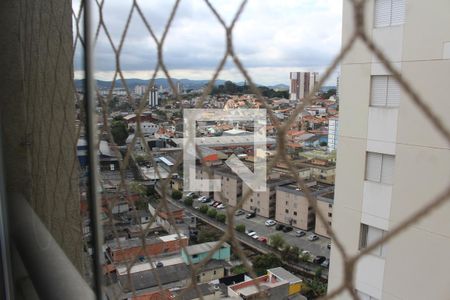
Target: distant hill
186,83
132,82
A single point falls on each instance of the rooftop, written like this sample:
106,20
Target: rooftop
285,275
202,248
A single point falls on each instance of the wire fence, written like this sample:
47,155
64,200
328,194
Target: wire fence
127,161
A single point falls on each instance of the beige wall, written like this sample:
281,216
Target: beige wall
207,276
263,202
293,208
326,209
231,188
422,157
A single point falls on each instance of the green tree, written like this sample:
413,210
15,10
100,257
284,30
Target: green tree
239,269
290,253
265,261
208,235
188,201
240,228
176,194
204,209
315,288
277,241
221,218
305,256
119,131
212,213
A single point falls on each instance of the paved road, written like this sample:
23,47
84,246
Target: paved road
318,247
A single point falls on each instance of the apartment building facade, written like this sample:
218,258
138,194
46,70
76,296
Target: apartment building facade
324,206
302,83
264,203
391,160
231,186
293,208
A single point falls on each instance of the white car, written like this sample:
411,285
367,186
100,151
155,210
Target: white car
251,233
221,206
202,198
255,236
270,222
313,237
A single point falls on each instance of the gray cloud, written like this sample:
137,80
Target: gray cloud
277,35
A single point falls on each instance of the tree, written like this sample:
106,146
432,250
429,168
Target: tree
119,130
212,213
188,201
208,235
265,261
221,218
277,241
239,269
204,209
290,253
305,256
176,194
240,228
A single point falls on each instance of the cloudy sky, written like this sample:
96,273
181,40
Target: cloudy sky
272,38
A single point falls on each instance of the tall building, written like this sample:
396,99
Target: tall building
153,99
391,160
333,134
302,83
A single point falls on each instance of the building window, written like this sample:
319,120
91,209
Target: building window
389,13
330,215
384,91
214,272
330,205
380,167
368,235
295,213
286,211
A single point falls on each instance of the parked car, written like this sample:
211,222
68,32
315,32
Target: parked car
190,194
251,233
250,215
279,227
262,239
255,236
239,213
326,263
197,207
217,204
319,259
313,237
207,200
270,222
299,233
159,264
287,229
221,206
202,199
213,203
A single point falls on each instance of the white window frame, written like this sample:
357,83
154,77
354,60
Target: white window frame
369,235
382,166
394,13
385,91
